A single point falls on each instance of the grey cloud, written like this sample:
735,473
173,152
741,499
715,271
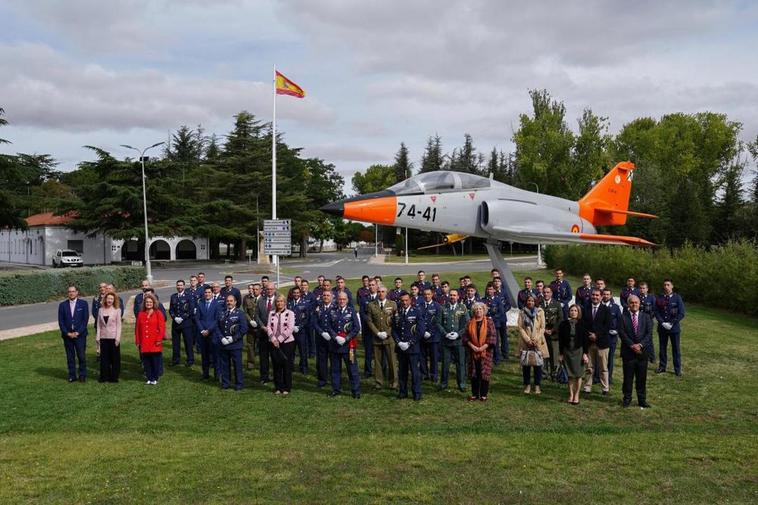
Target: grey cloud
45,89
334,152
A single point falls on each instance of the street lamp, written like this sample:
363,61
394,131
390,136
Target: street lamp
539,249
144,206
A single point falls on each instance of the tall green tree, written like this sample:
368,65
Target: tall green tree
403,164
467,159
590,158
544,146
730,207
433,158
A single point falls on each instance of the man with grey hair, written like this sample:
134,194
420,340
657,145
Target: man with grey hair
636,333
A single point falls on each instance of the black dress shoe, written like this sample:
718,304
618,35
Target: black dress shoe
645,405
417,398
402,397
626,403
678,374
357,396
334,393
660,370
72,379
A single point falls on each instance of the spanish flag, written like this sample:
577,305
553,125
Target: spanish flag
286,87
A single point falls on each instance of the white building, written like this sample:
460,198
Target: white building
47,233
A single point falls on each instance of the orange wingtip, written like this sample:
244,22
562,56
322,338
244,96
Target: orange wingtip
373,210
621,239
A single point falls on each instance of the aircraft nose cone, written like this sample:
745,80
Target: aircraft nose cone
335,208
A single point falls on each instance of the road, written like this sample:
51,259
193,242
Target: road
42,315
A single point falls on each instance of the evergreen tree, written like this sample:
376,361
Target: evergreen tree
730,208
432,159
403,165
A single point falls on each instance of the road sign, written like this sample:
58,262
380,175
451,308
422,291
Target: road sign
277,237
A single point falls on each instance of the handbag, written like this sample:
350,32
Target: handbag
531,358
561,375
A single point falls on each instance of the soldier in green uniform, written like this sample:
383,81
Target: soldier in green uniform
249,303
553,317
453,323
380,314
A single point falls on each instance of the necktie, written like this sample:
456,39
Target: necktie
381,305
634,322
268,305
594,311
208,305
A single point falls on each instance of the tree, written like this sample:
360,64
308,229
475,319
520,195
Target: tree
466,159
590,159
432,159
376,178
730,207
3,122
544,146
687,211
403,165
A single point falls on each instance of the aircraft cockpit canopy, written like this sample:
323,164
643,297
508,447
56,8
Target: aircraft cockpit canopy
441,181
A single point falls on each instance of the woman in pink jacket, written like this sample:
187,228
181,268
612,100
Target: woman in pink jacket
108,337
281,322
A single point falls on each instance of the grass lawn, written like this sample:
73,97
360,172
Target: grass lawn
185,441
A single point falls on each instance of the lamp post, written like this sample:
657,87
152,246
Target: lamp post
539,248
148,267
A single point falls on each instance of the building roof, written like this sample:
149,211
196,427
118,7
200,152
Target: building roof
49,219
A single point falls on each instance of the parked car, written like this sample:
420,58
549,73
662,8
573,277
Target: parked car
67,258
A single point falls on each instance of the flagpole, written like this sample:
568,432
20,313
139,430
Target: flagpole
274,257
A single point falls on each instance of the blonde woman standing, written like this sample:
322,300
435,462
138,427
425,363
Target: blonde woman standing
532,345
108,337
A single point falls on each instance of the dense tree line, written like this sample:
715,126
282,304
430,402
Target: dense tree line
199,186
691,169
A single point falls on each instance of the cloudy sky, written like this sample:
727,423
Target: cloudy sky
106,73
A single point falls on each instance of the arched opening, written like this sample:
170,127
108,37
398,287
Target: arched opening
160,250
133,250
186,250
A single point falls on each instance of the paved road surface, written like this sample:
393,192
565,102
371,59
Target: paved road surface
328,264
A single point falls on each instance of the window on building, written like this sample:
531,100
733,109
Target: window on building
76,245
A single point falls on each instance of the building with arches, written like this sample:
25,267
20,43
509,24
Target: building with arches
46,233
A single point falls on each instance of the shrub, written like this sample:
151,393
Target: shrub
722,276
43,285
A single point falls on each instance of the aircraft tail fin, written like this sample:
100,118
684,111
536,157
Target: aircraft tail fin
607,203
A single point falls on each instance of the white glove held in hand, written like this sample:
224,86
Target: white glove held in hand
253,323
667,326
178,320
613,332
326,336
404,345
382,335
295,329
454,335
227,340
427,334
340,340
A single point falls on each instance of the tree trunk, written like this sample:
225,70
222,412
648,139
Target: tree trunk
321,246
304,246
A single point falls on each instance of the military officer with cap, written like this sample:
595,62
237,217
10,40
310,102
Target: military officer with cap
232,326
182,309
430,344
344,326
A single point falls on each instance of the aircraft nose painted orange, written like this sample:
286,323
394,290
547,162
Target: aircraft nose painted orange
462,204
379,208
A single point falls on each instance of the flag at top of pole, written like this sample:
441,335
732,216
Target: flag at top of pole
282,86
286,87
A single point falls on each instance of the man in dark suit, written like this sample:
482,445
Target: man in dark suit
597,320
636,332
73,316
206,321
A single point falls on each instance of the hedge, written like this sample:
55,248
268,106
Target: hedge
43,285
722,276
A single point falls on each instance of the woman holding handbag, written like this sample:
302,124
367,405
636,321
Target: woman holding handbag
108,336
280,330
532,344
573,344
481,339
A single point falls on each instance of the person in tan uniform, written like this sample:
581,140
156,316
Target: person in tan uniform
381,313
249,304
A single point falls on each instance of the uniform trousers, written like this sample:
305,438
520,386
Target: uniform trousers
663,342
635,370
385,361
430,352
409,363
227,357
453,353
336,360
179,333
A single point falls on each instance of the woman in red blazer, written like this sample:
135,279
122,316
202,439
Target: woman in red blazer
149,331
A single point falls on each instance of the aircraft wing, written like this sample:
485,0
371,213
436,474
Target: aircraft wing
552,237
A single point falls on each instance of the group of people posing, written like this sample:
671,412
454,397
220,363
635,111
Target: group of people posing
416,333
